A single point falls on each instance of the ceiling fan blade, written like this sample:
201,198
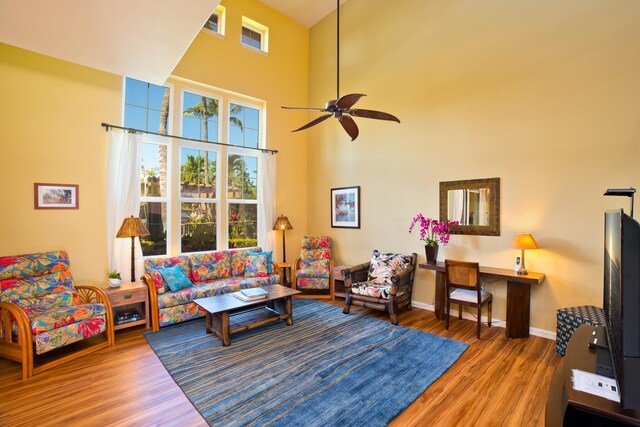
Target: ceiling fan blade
303,108
314,122
347,101
371,114
349,126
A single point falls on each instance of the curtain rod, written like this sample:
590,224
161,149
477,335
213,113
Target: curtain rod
106,127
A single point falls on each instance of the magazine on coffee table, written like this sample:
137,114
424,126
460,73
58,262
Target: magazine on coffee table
251,294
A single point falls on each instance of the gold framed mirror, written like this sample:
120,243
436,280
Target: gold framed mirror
474,203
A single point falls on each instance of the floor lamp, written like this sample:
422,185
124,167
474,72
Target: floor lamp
282,223
132,227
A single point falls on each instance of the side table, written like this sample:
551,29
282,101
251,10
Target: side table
130,303
286,272
337,281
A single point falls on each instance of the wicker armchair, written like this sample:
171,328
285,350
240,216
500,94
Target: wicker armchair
42,310
385,283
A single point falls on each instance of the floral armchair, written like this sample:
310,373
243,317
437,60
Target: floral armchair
313,269
385,283
42,310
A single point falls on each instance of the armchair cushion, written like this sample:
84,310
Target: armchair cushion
54,318
315,269
309,255
175,278
314,242
25,288
371,290
312,283
383,266
30,265
56,338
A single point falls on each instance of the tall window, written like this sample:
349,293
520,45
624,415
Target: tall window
210,216
153,197
198,225
242,199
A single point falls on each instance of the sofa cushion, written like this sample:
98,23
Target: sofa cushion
383,266
153,265
210,266
256,265
33,265
315,269
216,287
175,278
238,258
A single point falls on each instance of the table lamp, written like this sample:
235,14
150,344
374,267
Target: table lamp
524,241
282,223
132,227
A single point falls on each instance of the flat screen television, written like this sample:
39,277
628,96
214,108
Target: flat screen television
622,302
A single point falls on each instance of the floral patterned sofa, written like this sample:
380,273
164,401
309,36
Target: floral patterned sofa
42,309
208,274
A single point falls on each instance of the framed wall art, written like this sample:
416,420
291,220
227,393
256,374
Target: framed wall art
345,207
55,196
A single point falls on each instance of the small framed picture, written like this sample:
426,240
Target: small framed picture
345,207
55,196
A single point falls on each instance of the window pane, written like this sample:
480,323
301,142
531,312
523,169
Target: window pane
191,127
244,126
202,109
155,96
243,177
153,173
212,23
198,173
154,217
153,121
135,117
251,38
136,92
243,225
198,227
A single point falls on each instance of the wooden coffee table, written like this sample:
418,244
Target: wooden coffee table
227,314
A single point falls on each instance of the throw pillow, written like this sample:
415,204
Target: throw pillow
175,278
256,265
269,255
383,266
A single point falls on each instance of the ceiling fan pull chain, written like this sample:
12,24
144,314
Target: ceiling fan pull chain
338,52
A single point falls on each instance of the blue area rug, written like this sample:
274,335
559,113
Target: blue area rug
326,369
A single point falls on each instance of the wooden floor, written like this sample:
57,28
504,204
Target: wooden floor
496,382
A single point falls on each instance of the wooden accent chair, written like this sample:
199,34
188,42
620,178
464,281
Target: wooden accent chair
463,287
42,310
385,283
313,269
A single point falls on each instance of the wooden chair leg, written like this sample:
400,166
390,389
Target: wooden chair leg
446,314
479,319
489,314
460,311
347,304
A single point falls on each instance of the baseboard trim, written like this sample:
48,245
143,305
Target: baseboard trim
494,322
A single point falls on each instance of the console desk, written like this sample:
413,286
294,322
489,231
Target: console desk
518,295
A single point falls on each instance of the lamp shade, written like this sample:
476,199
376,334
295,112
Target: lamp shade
282,223
525,241
132,227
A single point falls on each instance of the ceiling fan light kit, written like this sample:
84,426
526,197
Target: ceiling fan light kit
340,108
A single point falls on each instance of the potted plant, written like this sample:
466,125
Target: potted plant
434,233
114,279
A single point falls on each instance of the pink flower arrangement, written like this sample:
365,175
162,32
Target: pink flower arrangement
432,231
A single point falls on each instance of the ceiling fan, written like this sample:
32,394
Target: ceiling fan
340,108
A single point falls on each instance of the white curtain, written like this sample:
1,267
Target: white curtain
266,200
123,199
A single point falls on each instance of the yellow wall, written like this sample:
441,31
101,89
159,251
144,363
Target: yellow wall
50,115
544,95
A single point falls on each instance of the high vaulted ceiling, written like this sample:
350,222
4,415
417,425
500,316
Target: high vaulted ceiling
144,39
